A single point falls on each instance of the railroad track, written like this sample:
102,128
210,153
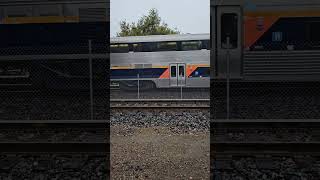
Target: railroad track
10,91
272,133
266,165
67,157
54,166
268,148
159,103
54,136
50,92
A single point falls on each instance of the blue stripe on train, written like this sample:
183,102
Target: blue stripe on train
133,73
200,71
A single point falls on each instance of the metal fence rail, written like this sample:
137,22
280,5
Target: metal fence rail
53,57
29,60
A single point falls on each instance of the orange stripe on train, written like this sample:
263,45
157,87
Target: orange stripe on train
165,74
253,32
255,27
284,13
189,70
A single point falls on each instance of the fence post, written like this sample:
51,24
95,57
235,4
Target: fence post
228,77
91,79
138,86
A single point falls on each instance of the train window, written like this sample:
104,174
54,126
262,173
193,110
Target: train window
201,72
277,36
49,14
18,11
144,47
205,44
148,47
191,45
137,47
131,47
173,71
119,48
314,32
147,65
181,71
167,46
229,29
138,66
16,15
92,14
48,10
206,72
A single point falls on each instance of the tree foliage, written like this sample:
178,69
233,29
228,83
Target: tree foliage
146,25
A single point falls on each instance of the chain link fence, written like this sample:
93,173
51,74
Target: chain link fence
142,88
278,81
67,81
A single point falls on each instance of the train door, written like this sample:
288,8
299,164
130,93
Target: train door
229,41
177,75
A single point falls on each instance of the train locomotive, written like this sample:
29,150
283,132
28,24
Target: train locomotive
160,61
45,43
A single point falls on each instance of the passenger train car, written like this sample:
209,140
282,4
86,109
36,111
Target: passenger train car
161,61
265,40
44,42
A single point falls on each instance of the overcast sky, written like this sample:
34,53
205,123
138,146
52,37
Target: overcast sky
188,16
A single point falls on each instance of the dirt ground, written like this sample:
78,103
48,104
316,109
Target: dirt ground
158,153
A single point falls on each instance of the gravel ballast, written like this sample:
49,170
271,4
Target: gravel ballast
160,144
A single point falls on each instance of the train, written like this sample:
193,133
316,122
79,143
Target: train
45,43
265,41
160,61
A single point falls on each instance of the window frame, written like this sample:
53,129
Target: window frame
223,32
181,67
194,43
175,72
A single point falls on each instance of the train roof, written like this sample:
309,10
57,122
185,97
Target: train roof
164,57
159,38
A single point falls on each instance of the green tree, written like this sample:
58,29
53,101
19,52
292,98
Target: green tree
146,25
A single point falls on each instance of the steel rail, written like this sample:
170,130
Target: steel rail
159,100
19,147
97,123
93,146
160,107
160,103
